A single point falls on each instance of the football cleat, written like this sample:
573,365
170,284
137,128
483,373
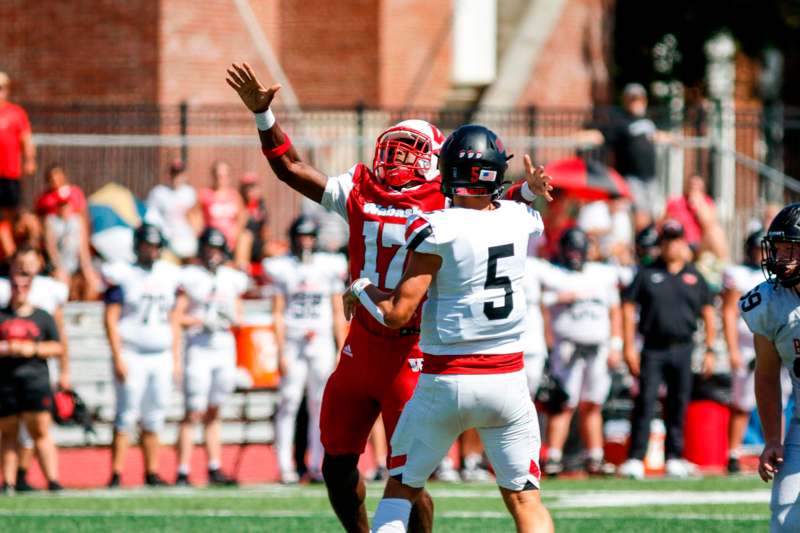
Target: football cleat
553,468
289,478
734,466
680,468
446,473
54,486
154,480
182,480
632,468
114,482
217,478
598,467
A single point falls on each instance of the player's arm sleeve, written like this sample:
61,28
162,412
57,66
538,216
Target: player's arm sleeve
272,269
534,220
420,236
755,312
337,190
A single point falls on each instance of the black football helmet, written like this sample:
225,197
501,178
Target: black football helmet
302,225
147,234
785,228
573,246
212,238
473,162
752,245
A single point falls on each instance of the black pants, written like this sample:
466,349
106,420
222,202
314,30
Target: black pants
673,365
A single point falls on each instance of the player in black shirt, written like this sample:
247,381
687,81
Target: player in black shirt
28,336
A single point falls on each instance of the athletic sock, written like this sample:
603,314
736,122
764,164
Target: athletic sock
734,453
183,469
554,454
391,516
213,465
595,454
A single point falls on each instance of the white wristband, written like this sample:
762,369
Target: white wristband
358,286
372,308
526,192
616,344
265,120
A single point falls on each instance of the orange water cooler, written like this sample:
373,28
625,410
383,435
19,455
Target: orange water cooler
257,354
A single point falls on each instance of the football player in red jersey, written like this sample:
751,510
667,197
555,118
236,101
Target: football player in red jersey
379,367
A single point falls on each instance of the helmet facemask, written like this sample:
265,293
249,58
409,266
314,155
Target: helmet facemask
213,257
403,156
781,260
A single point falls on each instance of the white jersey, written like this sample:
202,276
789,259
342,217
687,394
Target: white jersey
46,293
168,209
537,273
742,278
307,287
212,299
773,311
476,303
147,297
586,320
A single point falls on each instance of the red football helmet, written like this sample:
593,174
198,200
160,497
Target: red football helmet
407,152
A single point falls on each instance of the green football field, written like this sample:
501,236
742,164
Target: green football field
704,505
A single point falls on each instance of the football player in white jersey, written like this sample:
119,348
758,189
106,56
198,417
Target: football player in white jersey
143,306
470,261
587,325
536,272
310,329
772,312
50,295
738,280
214,292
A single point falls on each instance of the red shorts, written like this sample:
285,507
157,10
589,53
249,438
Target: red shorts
376,374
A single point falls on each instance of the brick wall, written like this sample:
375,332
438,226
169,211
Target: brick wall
563,76
82,50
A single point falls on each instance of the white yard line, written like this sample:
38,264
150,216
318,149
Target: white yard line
494,515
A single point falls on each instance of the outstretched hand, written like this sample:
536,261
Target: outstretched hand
255,96
538,181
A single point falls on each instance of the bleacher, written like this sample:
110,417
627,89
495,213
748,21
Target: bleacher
247,416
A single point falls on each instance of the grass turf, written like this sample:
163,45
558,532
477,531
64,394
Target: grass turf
705,505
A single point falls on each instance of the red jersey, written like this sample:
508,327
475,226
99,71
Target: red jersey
13,125
376,215
49,202
221,211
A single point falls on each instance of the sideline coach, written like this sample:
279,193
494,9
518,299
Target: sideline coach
671,295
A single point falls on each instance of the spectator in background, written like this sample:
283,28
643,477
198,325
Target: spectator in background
59,187
251,242
67,244
22,230
49,295
222,206
28,336
696,212
173,207
671,296
631,136
17,151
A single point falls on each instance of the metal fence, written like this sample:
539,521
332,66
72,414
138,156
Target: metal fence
132,145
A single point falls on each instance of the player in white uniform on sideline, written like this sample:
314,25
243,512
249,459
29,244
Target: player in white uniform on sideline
738,280
587,326
534,341
310,328
214,292
772,312
47,294
470,261
143,303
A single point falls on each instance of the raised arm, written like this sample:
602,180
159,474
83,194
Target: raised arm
394,309
275,143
